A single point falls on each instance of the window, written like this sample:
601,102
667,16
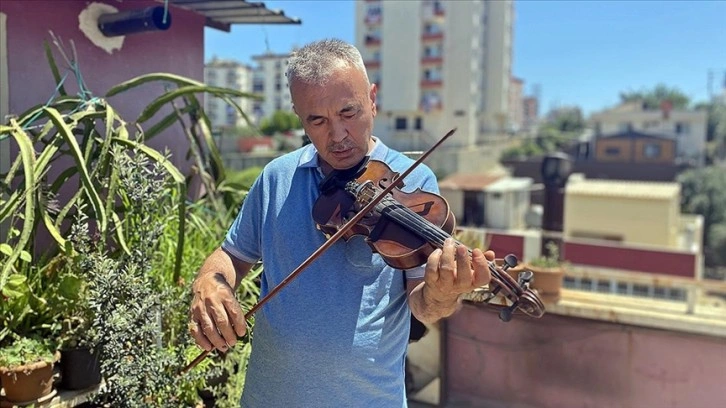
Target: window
625,127
401,123
651,150
612,151
417,124
683,128
603,286
640,290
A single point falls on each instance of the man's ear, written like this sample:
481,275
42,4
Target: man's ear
373,93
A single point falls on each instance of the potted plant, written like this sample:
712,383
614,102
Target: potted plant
548,272
26,370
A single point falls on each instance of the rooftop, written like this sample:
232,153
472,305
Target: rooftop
469,181
510,184
623,189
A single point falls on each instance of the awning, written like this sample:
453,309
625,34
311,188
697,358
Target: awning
221,14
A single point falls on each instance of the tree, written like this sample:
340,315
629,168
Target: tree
653,98
715,130
703,191
280,121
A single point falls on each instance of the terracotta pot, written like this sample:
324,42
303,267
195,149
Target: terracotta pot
27,383
546,281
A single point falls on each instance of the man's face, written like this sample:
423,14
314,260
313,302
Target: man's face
338,116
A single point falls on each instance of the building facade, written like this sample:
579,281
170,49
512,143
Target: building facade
232,75
516,105
270,82
686,127
438,65
634,147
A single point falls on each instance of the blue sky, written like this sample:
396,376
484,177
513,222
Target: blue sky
580,53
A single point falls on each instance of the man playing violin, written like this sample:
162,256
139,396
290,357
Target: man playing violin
337,335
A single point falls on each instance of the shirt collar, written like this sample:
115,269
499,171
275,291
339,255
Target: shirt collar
309,156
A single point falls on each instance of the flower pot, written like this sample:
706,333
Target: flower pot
27,383
547,282
80,368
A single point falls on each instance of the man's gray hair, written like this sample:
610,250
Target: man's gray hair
315,62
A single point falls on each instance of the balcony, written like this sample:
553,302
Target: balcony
372,64
372,40
431,36
431,83
432,60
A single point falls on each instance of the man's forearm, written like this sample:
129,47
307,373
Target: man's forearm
428,308
220,265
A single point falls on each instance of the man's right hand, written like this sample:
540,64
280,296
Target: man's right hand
216,319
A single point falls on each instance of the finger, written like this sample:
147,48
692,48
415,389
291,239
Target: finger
431,273
464,277
447,263
234,311
218,313
489,255
480,263
209,329
198,336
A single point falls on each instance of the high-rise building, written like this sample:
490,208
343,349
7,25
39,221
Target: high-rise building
232,75
271,83
438,65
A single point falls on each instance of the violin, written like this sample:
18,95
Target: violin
405,228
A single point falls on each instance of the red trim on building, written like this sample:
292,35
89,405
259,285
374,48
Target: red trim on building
432,60
425,83
432,36
631,259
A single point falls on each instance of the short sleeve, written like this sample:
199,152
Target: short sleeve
244,237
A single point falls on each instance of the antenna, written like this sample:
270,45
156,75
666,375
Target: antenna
267,40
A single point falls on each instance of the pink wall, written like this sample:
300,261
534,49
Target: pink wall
179,50
503,244
562,362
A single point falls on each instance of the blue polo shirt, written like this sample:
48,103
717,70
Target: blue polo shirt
336,336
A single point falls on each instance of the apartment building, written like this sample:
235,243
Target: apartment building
227,74
270,82
686,127
516,105
438,65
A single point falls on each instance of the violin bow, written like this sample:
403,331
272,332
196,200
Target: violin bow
333,239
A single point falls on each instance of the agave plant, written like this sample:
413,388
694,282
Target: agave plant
86,130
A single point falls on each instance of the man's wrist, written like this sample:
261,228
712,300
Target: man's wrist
440,301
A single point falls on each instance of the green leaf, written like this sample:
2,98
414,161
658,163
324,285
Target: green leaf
85,176
70,286
28,155
53,68
159,102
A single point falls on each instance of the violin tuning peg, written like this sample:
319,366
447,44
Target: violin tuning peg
510,261
524,278
505,314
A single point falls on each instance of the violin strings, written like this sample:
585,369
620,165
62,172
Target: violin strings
428,230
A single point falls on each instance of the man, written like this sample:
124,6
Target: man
336,335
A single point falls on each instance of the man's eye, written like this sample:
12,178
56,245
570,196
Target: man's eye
317,122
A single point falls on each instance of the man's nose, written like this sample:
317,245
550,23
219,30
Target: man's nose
338,131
